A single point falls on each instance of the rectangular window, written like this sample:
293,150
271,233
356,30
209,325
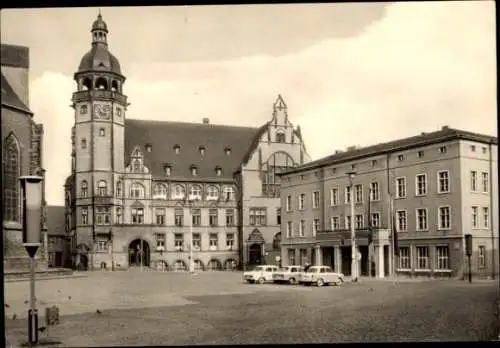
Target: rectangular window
359,221
229,217
442,149
230,240
474,217
486,217
196,217
291,257
302,201
422,257
401,158
160,216
401,187
402,222
102,242
315,226
334,196
137,215
85,216
289,229
473,148
179,241
444,218
422,219
374,191
481,262
302,228
359,193
443,181
102,132
196,241
179,217
404,258
288,203
118,215
315,199
443,257
214,241
348,222
83,109
212,217
473,181
485,182
335,223
375,219
420,154
103,215
258,216
347,194
421,184
278,216
160,240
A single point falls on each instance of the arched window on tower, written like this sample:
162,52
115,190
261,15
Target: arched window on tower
101,83
84,189
114,86
86,84
277,163
11,169
103,188
280,137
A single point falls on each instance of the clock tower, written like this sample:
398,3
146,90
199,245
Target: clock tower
98,136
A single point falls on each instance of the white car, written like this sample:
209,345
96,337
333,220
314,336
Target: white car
260,274
288,274
321,275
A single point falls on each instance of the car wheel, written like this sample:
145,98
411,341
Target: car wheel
291,280
320,282
261,280
338,282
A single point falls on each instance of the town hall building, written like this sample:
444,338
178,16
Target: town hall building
156,193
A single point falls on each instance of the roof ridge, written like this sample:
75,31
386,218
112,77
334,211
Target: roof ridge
189,123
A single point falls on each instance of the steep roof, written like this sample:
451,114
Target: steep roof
10,98
164,135
55,220
445,134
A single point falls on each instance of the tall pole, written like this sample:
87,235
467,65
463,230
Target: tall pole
354,261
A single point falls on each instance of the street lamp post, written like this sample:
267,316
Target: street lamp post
32,219
354,254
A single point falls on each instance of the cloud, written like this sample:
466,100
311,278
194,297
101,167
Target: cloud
424,65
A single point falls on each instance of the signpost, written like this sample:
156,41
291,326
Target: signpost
468,251
32,219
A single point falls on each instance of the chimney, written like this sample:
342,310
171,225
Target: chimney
445,128
206,120
350,148
337,152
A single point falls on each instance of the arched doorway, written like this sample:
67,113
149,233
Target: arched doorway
139,253
255,254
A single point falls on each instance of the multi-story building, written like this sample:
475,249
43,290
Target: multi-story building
58,248
146,192
21,152
443,185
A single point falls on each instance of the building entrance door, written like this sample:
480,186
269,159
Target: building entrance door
139,253
255,254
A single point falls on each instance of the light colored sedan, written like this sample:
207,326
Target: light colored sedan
260,274
321,275
288,274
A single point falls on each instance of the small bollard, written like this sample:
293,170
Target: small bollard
52,315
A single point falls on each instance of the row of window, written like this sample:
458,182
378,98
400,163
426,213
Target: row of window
103,216
441,259
160,191
444,222
421,189
180,241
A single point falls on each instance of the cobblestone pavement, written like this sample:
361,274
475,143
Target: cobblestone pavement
218,308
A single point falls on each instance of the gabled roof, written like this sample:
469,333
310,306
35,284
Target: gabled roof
443,135
55,220
164,135
10,98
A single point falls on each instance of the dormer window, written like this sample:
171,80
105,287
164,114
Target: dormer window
218,171
202,150
227,150
167,168
177,149
194,171
149,147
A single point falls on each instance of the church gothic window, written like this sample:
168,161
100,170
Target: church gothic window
11,169
277,163
280,137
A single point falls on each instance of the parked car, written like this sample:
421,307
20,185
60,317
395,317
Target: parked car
260,274
288,274
321,275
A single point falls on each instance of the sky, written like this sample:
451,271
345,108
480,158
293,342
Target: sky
350,73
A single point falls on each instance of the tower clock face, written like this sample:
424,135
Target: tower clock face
102,111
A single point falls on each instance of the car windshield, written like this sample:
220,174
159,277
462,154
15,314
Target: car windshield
259,268
312,270
284,269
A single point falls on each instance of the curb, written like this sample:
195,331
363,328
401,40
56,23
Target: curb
23,279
